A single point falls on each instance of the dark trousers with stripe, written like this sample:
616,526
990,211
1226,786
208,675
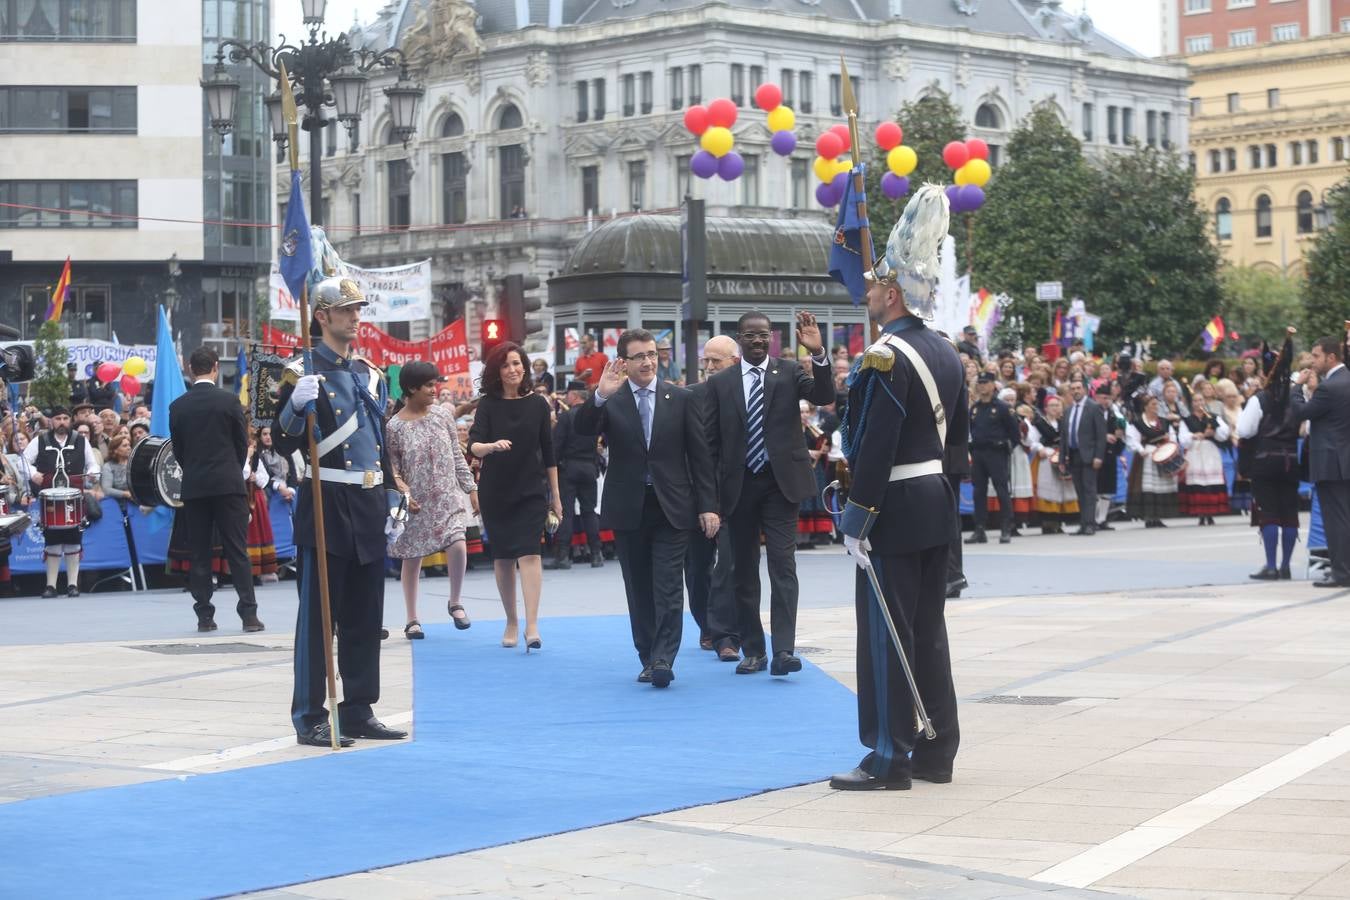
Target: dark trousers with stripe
915,585
356,597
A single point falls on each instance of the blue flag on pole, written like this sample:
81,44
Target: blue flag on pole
168,377
295,255
846,262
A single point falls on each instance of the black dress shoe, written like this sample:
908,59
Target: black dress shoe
932,776
645,676
661,674
1086,531
72,591
705,643
319,736
1265,573
598,561
784,663
373,729
728,654
750,665
554,564
48,592
1005,538
858,780
251,624
978,537
1102,526
1330,583
206,624
1285,574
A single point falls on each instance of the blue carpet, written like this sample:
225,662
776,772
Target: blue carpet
508,747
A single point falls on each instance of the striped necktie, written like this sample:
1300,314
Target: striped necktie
755,453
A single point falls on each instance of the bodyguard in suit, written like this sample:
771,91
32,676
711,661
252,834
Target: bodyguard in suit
907,401
763,475
1328,412
658,488
578,476
1085,440
993,433
210,441
348,394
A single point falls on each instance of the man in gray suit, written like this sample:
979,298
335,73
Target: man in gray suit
1328,412
1085,443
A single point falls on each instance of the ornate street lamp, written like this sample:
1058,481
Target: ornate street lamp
276,116
222,93
313,11
403,99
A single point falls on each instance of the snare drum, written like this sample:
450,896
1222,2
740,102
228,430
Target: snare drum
62,507
1169,459
153,473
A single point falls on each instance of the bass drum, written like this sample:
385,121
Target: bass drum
155,477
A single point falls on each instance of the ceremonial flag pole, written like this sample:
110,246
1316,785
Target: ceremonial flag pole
859,181
292,118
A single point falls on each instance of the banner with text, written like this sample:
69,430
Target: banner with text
395,294
88,353
447,349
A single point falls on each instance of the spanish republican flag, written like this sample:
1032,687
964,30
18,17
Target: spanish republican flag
1213,334
59,297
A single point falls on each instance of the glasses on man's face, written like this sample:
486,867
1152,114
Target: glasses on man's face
639,357
756,335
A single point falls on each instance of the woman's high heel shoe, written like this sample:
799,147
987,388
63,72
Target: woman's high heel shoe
509,637
533,643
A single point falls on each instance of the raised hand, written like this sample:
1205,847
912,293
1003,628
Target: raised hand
612,378
808,332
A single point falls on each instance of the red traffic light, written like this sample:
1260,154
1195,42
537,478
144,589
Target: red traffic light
494,331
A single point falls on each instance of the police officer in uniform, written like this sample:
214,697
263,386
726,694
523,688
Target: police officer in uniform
360,507
993,433
907,401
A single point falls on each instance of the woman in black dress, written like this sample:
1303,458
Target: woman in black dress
512,436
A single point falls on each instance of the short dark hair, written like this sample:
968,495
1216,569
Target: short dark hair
492,370
1329,346
753,315
203,360
631,335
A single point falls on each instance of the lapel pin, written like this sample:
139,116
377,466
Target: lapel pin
667,396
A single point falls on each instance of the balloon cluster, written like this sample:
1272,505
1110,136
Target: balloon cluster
133,365
829,168
711,124
900,160
781,119
969,160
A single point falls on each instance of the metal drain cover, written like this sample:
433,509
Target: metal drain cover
1025,701
194,649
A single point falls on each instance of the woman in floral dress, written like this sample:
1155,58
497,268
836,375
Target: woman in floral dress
431,469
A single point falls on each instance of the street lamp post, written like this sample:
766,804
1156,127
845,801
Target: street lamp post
323,72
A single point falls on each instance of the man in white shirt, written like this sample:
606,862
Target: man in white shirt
51,453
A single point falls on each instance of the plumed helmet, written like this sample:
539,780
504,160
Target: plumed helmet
911,257
332,293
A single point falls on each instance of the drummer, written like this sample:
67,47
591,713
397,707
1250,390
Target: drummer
45,455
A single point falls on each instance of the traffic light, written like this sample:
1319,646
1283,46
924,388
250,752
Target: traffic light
494,333
515,307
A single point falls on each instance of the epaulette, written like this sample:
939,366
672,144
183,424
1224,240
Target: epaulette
356,357
879,356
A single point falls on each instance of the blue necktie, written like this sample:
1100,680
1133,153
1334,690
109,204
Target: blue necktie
645,411
1073,426
755,453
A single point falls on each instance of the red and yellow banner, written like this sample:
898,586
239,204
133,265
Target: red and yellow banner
448,349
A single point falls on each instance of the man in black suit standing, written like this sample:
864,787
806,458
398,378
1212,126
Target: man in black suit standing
578,473
210,442
1328,411
1085,442
764,473
659,487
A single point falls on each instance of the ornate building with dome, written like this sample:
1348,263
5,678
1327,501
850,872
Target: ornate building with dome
543,118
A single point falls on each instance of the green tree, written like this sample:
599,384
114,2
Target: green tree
50,387
1327,282
1259,304
1143,259
1034,207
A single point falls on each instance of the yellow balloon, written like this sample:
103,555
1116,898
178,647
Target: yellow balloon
977,172
134,365
962,176
902,160
717,141
843,165
781,119
824,169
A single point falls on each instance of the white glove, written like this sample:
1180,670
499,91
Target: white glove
858,550
393,529
306,392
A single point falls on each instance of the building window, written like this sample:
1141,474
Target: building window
1243,37
646,85
1295,153
1215,162
787,80
509,118
1345,25
599,87
583,101
330,137
1200,43
987,116
836,96
1088,113
1167,131
353,144
1304,207
1272,156
1223,219
356,214
1197,6
1127,124
399,174
452,126
85,204
1338,149
683,180
1234,103
1196,106
1241,4
750,181
696,84
1230,159
995,156
1190,163
1263,216
1289,32
511,162
243,201
738,84
801,183
756,78
110,110
676,87
1112,128
1272,98
68,20
1254,156
454,189
806,91
590,189
637,184
629,95
1151,127
1312,153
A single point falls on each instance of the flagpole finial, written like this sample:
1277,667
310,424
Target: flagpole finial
290,114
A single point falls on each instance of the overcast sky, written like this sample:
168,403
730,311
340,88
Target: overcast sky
1135,23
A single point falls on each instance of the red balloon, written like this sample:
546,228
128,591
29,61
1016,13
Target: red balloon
955,155
696,120
768,97
131,385
107,372
828,145
842,131
722,112
889,135
977,149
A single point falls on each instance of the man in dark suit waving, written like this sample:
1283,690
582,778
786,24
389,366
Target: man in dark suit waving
1328,411
658,488
210,442
764,473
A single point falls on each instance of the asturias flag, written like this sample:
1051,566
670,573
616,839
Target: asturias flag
295,255
1213,334
846,261
59,295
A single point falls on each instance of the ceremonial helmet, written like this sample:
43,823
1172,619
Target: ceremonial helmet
335,292
911,258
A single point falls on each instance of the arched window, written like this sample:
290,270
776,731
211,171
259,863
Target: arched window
1305,212
1263,216
387,136
987,116
509,118
452,126
1223,219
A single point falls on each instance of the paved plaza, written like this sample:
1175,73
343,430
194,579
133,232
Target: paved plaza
1137,719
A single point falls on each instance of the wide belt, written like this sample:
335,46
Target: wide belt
367,478
907,471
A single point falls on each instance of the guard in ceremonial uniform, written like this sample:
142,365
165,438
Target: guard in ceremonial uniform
907,401
359,506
